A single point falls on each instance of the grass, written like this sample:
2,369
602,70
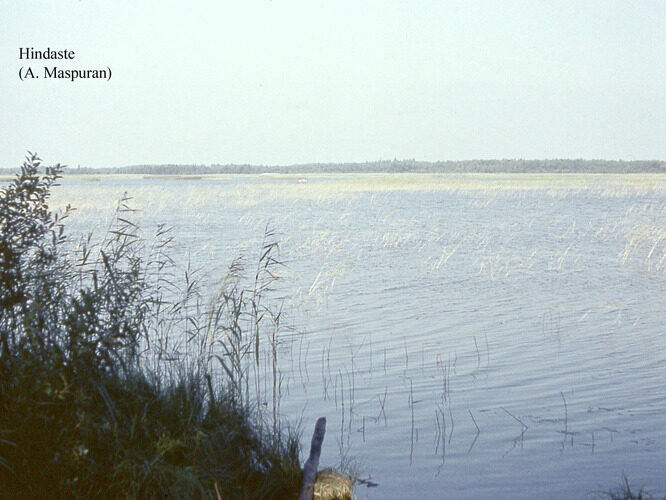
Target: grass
133,437
116,379
623,492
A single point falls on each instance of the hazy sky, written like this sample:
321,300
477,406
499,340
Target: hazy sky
281,82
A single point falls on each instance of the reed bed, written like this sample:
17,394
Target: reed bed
118,379
335,188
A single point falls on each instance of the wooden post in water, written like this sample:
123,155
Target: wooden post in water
310,467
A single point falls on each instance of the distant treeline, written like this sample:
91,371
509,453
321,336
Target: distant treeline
392,166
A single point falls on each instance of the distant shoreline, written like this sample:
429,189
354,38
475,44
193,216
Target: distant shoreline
394,166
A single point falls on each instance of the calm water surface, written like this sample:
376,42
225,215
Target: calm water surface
466,336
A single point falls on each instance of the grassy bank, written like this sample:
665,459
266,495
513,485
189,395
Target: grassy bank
117,380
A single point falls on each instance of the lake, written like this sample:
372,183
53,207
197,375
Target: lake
466,336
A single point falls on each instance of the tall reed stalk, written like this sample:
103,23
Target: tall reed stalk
118,378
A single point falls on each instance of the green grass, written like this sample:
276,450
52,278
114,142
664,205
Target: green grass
132,437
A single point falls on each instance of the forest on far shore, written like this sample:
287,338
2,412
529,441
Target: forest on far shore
388,166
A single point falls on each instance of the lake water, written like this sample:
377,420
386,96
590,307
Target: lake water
466,336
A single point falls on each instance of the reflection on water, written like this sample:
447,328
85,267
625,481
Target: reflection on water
467,336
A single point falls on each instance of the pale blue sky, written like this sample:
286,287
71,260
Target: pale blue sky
281,82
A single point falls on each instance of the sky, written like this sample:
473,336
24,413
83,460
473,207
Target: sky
285,82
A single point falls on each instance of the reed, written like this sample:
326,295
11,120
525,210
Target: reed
117,378
622,492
